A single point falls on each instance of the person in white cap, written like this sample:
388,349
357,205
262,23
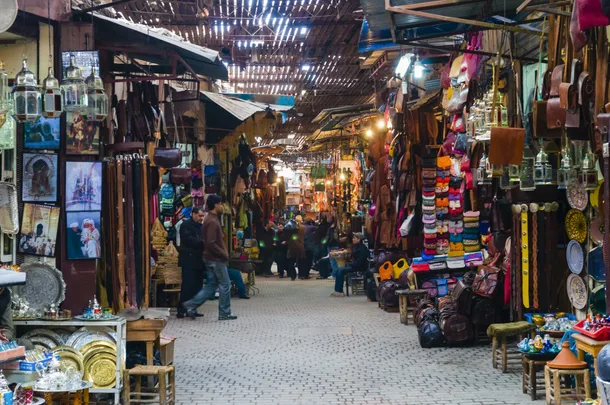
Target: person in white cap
91,239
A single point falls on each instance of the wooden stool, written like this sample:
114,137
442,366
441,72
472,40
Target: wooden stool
531,380
407,302
356,281
556,392
500,332
165,394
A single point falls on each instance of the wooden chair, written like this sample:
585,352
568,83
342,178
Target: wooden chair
163,394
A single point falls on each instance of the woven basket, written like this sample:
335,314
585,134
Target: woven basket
172,275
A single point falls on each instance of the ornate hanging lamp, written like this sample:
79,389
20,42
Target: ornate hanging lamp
96,97
566,174
74,89
27,95
52,100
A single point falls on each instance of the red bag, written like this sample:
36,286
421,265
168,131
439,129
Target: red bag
590,14
488,279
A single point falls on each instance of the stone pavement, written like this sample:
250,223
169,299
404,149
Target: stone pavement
295,345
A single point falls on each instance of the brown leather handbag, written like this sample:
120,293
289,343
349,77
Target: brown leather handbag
167,158
555,114
540,126
506,145
181,175
487,279
462,296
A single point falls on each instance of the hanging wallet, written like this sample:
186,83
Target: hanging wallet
506,145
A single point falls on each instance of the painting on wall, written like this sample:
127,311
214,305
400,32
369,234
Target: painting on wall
39,174
82,136
39,230
83,186
44,133
83,235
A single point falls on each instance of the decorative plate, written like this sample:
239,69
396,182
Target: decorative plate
44,286
575,257
597,231
578,197
69,357
577,291
101,371
57,339
576,225
43,342
90,334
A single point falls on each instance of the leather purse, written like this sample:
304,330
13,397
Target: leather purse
181,175
506,145
462,296
555,114
540,127
167,158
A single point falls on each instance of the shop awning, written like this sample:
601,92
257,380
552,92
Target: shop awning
115,32
225,113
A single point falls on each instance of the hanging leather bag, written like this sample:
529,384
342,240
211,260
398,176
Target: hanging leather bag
166,158
555,114
540,127
506,145
488,279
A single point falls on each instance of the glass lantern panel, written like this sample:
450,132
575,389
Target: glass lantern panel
539,176
7,131
590,179
4,90
526,178
51,103
562,179
513,173
548,174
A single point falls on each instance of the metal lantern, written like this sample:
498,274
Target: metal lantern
543,171
96,97
506,183
4,90
7,130
566,174
588,174
483,172
52,100
526,176
27,95
74,89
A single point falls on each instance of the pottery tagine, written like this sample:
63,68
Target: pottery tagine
566,360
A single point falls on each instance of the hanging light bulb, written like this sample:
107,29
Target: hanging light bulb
74,89
369,133
27,95
381,123
96,97
52,100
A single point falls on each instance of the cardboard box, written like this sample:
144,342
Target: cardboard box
167,350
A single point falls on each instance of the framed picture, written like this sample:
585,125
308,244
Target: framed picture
39,173
42,134
39,230
82,136
83,236
83,186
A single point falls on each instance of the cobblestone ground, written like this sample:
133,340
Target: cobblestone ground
293,344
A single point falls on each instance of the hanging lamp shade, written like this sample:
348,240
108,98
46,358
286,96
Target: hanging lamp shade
52,100
96,97
27,95
74,89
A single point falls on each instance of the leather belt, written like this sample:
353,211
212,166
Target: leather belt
130,258
525,262
518,264
137,229
109,220
120,230
534,209
146,228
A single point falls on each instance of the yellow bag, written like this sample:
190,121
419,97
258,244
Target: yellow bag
385,271
400,266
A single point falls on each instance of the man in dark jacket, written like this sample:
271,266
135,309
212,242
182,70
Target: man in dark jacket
359,263
190,257
280,249
216,258
265,243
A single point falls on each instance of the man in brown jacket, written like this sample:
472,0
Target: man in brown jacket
216,258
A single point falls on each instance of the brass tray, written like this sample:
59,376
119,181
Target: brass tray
68,356
101,371
97,345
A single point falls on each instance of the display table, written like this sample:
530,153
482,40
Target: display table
120,329
148,331
585,344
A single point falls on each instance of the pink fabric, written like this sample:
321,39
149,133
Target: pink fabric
590,14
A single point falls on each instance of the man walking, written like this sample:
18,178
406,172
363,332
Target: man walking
190,258
265,242
216,258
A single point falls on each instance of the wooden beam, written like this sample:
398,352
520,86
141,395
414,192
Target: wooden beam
433,4
523,5
461,50
101,6
476,23
548,10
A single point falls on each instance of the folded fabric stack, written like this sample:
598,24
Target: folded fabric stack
419,265
456,262
471,231
473,259
429,206
443,166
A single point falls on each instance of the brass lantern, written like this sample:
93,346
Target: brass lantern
96,97
74,89
52,100
27,95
